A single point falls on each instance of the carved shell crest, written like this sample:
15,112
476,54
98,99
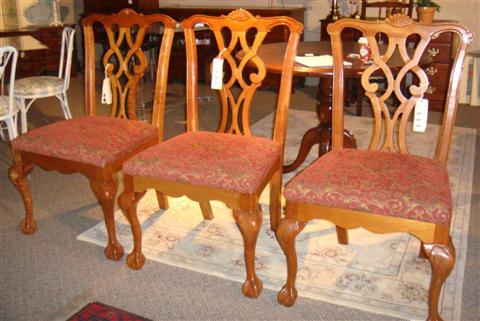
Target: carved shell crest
240,15
399,20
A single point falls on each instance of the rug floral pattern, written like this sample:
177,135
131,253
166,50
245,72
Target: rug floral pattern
377,273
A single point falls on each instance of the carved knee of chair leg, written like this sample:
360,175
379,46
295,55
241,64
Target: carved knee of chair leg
442,260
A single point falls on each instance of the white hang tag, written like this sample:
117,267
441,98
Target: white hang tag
420,115
106,90
217,73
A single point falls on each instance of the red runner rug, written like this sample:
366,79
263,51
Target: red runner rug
96,311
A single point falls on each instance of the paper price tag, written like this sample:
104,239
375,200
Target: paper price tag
217,74
420,115
106,89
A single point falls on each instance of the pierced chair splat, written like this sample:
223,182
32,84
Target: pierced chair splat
29,89
97,146
385,9
382,189
230,165
8,107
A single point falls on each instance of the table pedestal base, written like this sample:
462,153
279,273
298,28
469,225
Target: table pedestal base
322,134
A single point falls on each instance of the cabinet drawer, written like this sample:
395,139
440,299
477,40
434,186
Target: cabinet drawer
445,37
438,78
436,105
437,71
439,52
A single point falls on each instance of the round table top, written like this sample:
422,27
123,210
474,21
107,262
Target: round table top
272,56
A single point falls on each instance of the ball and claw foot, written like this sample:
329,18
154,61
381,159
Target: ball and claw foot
114,251
252,288
28,227
135,262
287,296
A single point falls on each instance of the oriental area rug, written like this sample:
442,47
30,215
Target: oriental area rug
97,311
376,273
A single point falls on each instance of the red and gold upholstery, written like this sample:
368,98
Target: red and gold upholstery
384,183
208,159
79,139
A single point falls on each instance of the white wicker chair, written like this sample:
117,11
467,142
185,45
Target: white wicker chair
27,90
8,107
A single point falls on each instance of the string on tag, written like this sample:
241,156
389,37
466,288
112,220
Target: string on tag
221,53
107,87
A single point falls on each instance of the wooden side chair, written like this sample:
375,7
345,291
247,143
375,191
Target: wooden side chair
230,165
348,186
97,146
29,89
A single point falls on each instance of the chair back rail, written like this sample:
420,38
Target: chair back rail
390,127
8,64
235,108
125,62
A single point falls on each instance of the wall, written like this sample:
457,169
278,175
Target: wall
466,12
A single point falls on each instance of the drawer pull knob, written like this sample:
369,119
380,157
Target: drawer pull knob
432,52
431,71
431,89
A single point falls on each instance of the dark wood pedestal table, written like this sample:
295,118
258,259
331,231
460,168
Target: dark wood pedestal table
272,55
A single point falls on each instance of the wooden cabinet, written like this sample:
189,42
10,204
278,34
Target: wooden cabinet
206,48
440,50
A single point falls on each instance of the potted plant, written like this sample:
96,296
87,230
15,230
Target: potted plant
426,9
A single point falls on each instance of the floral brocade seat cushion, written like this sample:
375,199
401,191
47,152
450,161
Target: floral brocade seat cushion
383,183
225,161
94,140
39,85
